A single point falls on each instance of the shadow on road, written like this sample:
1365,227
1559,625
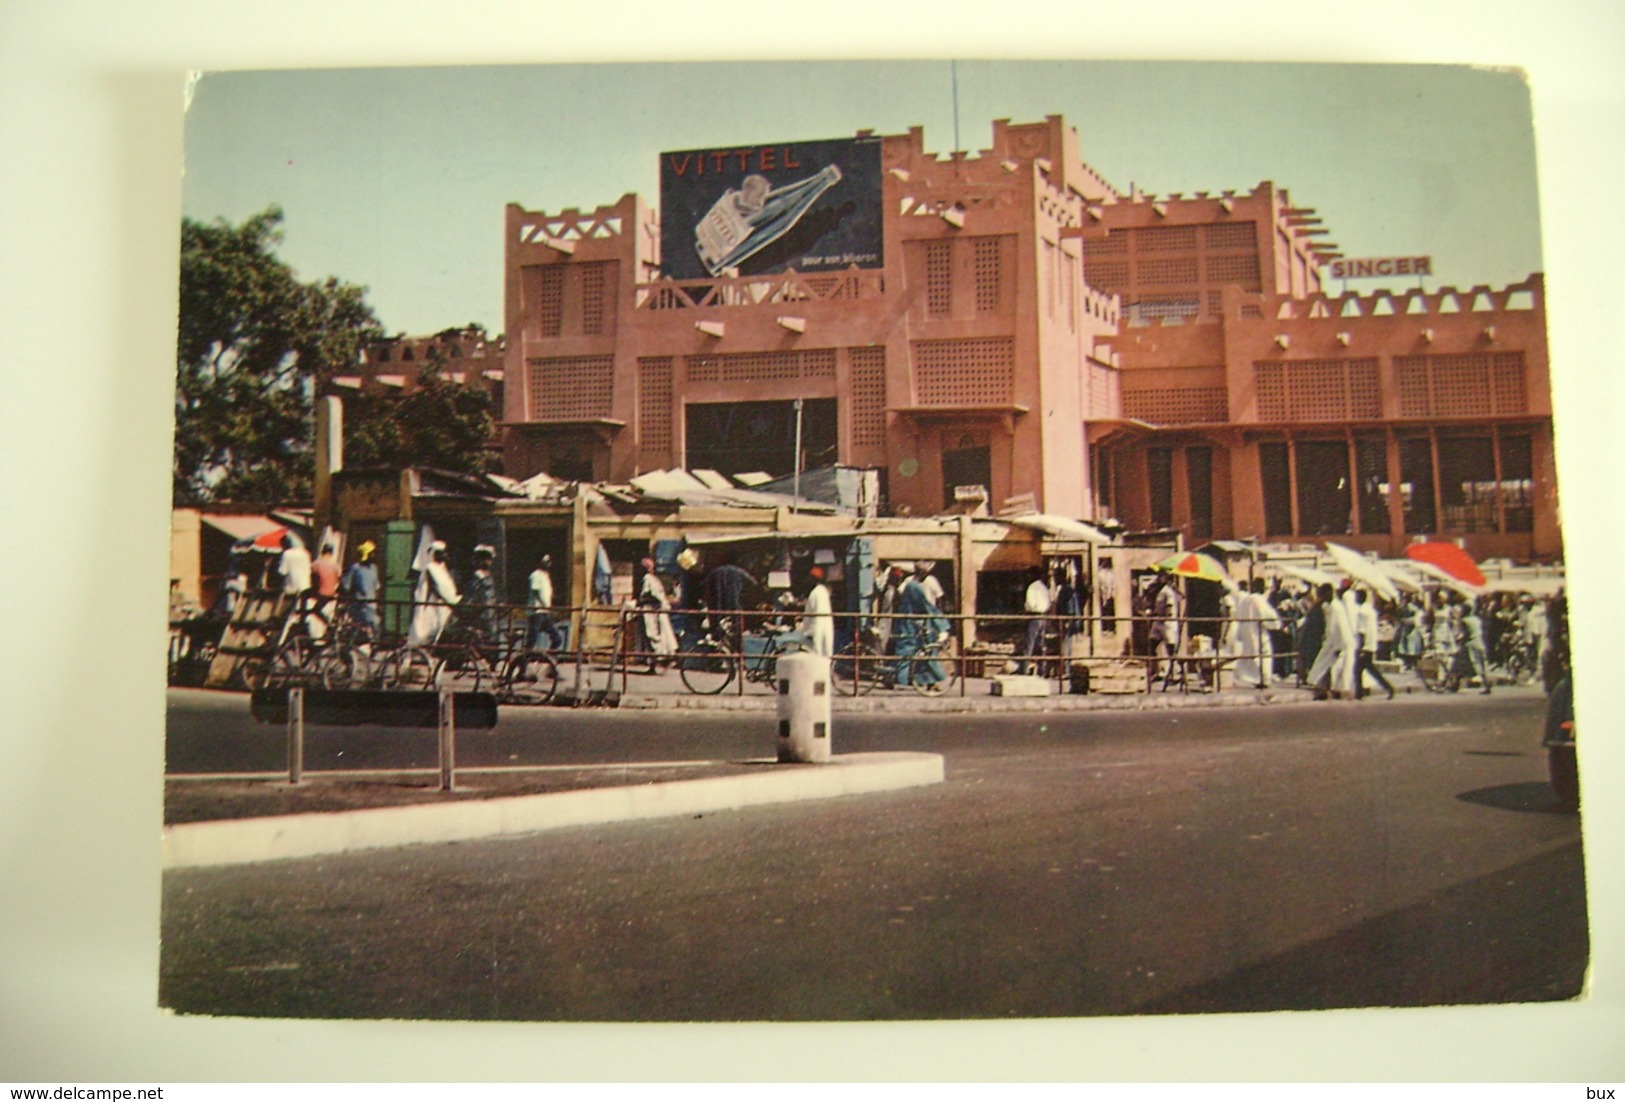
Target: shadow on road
1535,796
1518,935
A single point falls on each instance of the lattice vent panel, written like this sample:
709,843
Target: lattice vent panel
1471,385
571,388
1317,390
868,389
1114,243
1230,235
760,366
549,305
1242,270
1460,385
989,273
964,373
1167,269
592,300
1108,275
655,405
939,278
1509,379
1177,405
1165,239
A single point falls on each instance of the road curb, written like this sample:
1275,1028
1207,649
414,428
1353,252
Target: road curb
981,702
276,838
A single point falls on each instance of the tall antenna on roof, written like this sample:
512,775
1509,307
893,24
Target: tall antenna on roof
953,69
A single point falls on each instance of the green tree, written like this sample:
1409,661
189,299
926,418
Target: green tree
254,345
440,423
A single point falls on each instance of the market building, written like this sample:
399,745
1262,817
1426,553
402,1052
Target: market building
1007,329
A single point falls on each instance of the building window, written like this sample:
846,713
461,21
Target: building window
1416,485
1467,483
740,437
1199,483
1102,480
969,464
939,278
1151,311
1276,474
1159,464
1518,483
1371,465
1322,468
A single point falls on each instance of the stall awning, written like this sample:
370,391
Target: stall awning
240,526
1058,527
706,539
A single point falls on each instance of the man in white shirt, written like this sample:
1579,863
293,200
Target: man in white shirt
539,600
1037,606
1366,661
928,582
294,566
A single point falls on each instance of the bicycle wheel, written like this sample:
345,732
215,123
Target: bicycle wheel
412,668
467,670
856,668
706,669
1521,667
346,668
932,670
292,664
531,678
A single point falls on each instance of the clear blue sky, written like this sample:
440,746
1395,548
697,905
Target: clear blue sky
397,178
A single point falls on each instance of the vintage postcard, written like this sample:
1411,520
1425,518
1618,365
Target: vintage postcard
859,541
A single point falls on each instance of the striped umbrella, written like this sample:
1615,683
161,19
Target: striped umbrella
1192,564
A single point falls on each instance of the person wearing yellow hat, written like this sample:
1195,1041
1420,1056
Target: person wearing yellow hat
359,588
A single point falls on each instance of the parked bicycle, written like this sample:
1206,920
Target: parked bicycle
862,666
474,662
710,665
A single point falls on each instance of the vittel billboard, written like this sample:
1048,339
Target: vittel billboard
810,206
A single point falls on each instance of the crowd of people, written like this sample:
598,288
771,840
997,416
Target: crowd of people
1330,637
1327,637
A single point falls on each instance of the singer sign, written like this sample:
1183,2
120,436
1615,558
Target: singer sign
811,206
1376,267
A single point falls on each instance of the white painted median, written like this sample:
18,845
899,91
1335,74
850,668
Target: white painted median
275,838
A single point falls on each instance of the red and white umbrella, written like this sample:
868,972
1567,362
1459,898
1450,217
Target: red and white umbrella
1449,558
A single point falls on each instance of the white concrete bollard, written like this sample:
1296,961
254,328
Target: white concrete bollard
804,698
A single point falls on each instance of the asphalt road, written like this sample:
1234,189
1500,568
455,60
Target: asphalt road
1380,853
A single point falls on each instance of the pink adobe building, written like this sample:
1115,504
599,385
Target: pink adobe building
465,356
1170,363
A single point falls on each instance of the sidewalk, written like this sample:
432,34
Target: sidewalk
665,689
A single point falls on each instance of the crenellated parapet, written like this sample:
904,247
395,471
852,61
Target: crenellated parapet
1527,296
561,231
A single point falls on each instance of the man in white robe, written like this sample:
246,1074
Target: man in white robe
432,599
818,616
1335,662
1255,618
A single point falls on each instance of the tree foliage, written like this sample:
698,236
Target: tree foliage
440,423
254,345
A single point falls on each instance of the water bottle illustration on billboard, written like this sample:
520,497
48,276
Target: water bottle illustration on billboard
751,217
